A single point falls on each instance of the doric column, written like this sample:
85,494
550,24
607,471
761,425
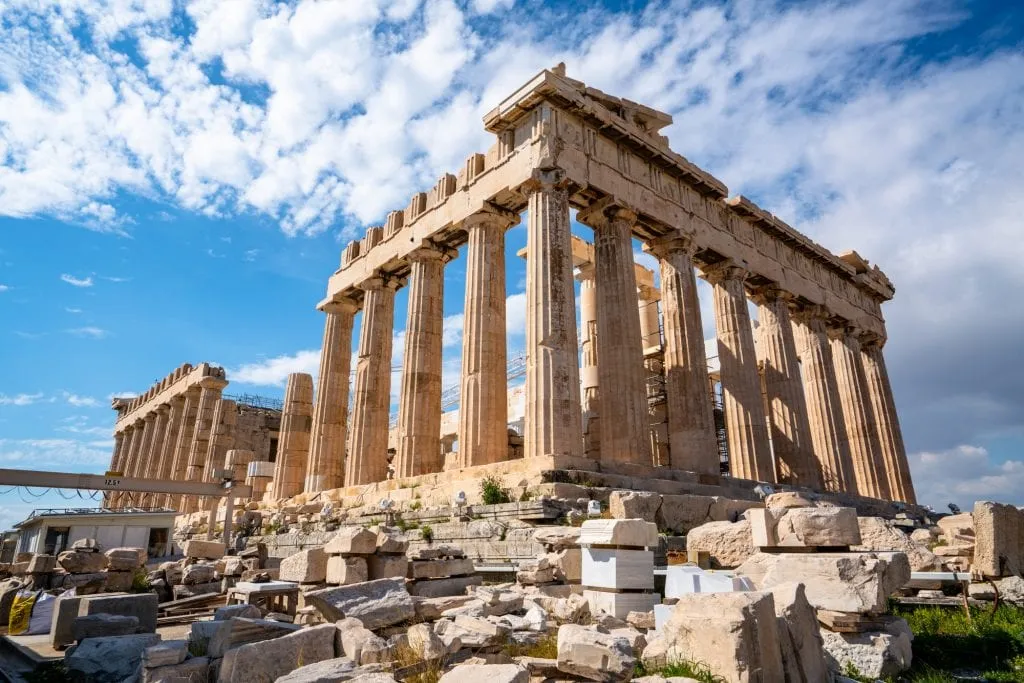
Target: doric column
211,388
330,411
183,445
293,446
787,407
419,407
368,448
865,449
894,453
650,331
625,421
824,407
553,419
122,448
691,421
589,379
169,444
222,436
749,453
152,465
483,406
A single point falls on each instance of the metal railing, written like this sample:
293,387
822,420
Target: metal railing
256,401
44,512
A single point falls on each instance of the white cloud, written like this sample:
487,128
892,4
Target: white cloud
77,282
51,453
488,6
515,314
88,331
116,279
122,394
451,334
20,399
274,371
965,474
5,288
80,401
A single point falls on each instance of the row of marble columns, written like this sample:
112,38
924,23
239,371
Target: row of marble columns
810,403
185,439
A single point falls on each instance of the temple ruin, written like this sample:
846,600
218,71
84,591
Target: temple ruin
804,398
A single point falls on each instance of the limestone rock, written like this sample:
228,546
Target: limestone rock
305,566
113,659
492,673
346,570
377,604
634,505
641,620
842,582
471,631
595,656
880,534
194,669
998,531
87,545
197,573
204,550
390,543
431,609
728,544
238,631
957,528
360,644
875,654
432,588
352,540
803,657
118,582
75,562
336,671
42,564
425,643
831,526
633,533
734,634
440,569
142,606
167,653
232,611
558,537
385,567
1011,589
103,625
784,500
126,559
271,659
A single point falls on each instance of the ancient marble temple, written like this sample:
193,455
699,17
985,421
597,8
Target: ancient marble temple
805,397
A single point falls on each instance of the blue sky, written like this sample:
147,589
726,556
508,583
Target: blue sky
177,180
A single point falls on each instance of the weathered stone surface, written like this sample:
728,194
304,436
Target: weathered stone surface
880,534
103,625
327,671
440,569
108,660
433,588
271,659
126,559
734,634
118,582
998,531
377,603
957,528
85,584
727,544
197,573
305,566
184,591
787,499
196,669
42,564
352,540
431,609
87,544
385,566
142,606
592,655
831,526
65,612
633,533
803,659
204,550
875,654
75,562
346,570
492,673
842,582
634,505
167,653
641,620
359,644
239,631
232,611
556,538
425,643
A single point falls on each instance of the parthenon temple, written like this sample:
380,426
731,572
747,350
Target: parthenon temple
803,398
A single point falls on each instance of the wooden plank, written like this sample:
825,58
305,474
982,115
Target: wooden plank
192,602
850,622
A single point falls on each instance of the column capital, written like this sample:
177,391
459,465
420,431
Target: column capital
844,331
809,313
605,211
430,251
648,293
213,383
150,417
340,305
585,272
163,408
872,340
381,281
767,294
491,216
673,242
725,270
546,180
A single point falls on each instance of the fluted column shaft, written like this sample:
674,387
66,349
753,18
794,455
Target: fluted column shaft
122,448
824,407
625,421
367,458
483,406
419,408
865,449
787,407
553,419
894,453
210,392
222,436
749,453
650,332
183,446
169,444
152,466
691,420
590,381
293,446
330,411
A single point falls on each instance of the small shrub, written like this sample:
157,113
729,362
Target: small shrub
545,648
140,582
427,533
406,657
493,492
684,668
415,505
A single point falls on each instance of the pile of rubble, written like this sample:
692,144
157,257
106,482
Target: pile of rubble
83,567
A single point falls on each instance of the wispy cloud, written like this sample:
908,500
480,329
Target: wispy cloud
122,394
80,401
47,453
20,399
5,288
91,332
77,282
274,371
251,254
73,310
116,279
29,335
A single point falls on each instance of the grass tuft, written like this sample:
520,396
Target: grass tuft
545,648
685,668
